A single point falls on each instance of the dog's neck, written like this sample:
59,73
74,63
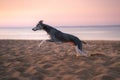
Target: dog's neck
47,28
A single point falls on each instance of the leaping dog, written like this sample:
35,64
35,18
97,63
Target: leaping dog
60,37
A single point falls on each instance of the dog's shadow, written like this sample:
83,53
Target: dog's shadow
99,55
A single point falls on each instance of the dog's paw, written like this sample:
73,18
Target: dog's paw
39,45
77,55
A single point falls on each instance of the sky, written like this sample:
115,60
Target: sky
25,13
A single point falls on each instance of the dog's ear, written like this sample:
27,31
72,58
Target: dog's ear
41,21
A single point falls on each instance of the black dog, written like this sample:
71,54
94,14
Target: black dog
59,37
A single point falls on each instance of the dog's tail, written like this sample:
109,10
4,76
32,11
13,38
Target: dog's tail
87,44
84,42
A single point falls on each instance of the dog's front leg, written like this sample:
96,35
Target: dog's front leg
41,43
50,40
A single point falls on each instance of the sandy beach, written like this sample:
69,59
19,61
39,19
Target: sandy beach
24,60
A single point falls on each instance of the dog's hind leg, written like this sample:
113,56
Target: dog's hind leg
41,43
80,52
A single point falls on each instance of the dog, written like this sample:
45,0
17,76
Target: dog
60,37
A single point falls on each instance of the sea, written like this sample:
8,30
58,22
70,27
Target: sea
106,32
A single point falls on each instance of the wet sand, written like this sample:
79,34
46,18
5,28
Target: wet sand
24,60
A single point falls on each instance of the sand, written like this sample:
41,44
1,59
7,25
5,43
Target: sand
24,60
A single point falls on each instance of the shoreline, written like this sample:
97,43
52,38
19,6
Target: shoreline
46,39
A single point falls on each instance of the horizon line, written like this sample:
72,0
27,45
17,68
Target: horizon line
116,25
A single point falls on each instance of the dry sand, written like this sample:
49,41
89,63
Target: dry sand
24,60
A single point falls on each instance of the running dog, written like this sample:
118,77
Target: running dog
60,37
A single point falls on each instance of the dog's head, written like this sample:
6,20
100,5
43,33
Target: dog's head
38,26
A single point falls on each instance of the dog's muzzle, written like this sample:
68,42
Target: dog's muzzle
34,29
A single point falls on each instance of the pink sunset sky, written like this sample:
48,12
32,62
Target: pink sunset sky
59,12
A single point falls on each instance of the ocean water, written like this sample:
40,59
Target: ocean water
82,32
